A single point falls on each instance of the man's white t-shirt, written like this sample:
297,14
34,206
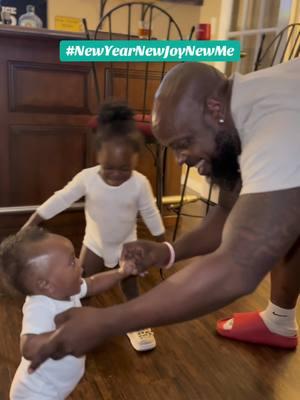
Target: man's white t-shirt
53,380
110,211
266,110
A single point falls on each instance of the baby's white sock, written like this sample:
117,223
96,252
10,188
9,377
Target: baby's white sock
280,320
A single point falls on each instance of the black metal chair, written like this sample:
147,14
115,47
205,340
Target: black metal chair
285,46
148,12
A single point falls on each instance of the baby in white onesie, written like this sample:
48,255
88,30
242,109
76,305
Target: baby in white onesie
114,196
43,267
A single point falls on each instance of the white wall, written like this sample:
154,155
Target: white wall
295,14
185,15
88,9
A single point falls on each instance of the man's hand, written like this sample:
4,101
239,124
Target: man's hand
143,254
77,332
31,344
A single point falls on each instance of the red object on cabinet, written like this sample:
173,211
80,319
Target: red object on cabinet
203,31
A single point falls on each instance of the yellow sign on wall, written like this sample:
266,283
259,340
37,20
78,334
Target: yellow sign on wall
69,24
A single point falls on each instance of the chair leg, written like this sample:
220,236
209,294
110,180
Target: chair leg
164,168
159,178
94,71
180,204
208,199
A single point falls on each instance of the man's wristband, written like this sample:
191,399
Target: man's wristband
172,255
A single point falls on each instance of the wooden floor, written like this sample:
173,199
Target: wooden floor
189,363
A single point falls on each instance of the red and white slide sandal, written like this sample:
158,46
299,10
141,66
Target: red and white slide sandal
249,327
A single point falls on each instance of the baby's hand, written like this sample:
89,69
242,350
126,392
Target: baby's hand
128,268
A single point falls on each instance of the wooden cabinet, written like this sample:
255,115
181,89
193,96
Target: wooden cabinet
45,107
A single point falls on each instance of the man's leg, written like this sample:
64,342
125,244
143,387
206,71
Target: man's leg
285,279
276,325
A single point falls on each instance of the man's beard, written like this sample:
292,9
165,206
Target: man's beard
225,169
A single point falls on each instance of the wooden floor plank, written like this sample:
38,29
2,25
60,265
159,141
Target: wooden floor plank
190,362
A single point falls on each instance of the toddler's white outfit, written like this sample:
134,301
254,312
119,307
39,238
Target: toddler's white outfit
54,379
110,211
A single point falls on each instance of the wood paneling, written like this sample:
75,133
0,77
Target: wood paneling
136,85
45,107
54,154
130,82
37,87
69,223
190,362
142,78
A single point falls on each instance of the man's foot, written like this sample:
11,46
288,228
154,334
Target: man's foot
250,328
143,340
280,320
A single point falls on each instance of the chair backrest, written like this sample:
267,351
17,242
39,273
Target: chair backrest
136,82
285,46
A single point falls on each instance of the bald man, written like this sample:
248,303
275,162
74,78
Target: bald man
243,134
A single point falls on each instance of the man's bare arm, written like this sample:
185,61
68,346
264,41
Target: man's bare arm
259,231
206,237
31,343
